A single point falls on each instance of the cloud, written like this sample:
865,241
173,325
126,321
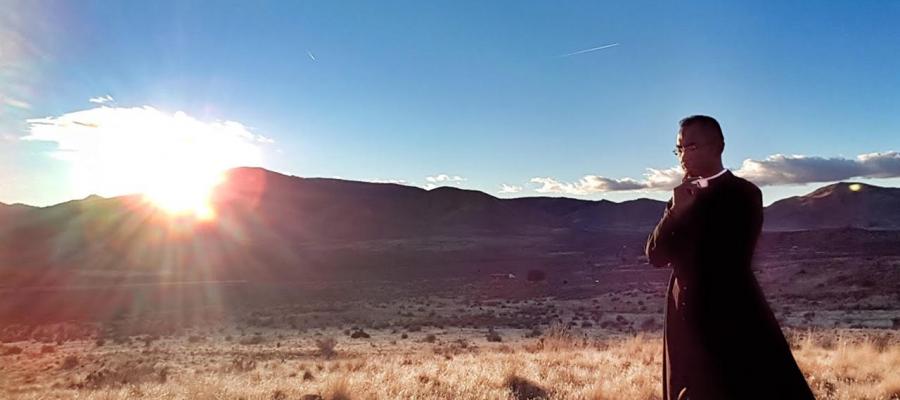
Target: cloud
21,55
504,188
587,185
442,180
101,99
654,179
780,169
663,179
21,104
114,151
397,181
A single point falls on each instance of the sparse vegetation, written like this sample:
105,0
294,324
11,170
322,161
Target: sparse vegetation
563,363
326,346
531,344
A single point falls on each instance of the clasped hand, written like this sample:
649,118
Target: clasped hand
684,196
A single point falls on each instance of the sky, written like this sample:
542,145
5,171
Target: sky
575,99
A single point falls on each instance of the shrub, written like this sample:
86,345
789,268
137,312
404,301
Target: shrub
69,362
360,334
195,339
522,388
255,339
242,364
10,350
326,346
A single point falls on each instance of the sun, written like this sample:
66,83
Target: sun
186,194
175,161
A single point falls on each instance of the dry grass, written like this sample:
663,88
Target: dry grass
561,364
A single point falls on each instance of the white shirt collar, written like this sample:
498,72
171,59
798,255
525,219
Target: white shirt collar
704,182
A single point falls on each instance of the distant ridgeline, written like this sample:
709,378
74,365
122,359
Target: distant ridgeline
265,221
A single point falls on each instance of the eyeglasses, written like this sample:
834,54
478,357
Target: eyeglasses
679,150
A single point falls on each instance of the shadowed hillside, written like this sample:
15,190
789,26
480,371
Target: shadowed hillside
276,229
840,205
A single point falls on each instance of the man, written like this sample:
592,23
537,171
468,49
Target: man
721,339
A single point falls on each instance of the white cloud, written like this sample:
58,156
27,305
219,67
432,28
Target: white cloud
397,181
444,178
504,188
16,103
654,180
113,151
101,99
663,179
780,169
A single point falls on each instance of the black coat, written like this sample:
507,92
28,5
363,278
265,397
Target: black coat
721,339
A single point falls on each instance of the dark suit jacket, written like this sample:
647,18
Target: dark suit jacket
721,339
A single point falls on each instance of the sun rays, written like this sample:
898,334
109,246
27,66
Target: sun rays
173,159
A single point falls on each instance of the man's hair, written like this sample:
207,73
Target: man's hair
709,124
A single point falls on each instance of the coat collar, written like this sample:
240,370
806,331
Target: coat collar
704,182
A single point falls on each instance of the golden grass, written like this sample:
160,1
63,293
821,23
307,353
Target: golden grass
561,366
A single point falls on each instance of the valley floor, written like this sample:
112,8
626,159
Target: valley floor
429,363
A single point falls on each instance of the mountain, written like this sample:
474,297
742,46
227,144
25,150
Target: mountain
844,204
274,226
10,211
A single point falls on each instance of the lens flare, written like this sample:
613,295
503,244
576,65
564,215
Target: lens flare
173,159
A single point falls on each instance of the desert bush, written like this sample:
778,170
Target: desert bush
10,350
338,389
359,334
493,336
560,336
129,373
195,339
524,389
308,376
242,364
69,362
252,340
326,346
649,324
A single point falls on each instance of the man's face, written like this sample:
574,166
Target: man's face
699,151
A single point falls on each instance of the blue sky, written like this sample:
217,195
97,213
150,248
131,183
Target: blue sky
476,90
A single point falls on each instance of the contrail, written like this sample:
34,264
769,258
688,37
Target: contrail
311,56
590,50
